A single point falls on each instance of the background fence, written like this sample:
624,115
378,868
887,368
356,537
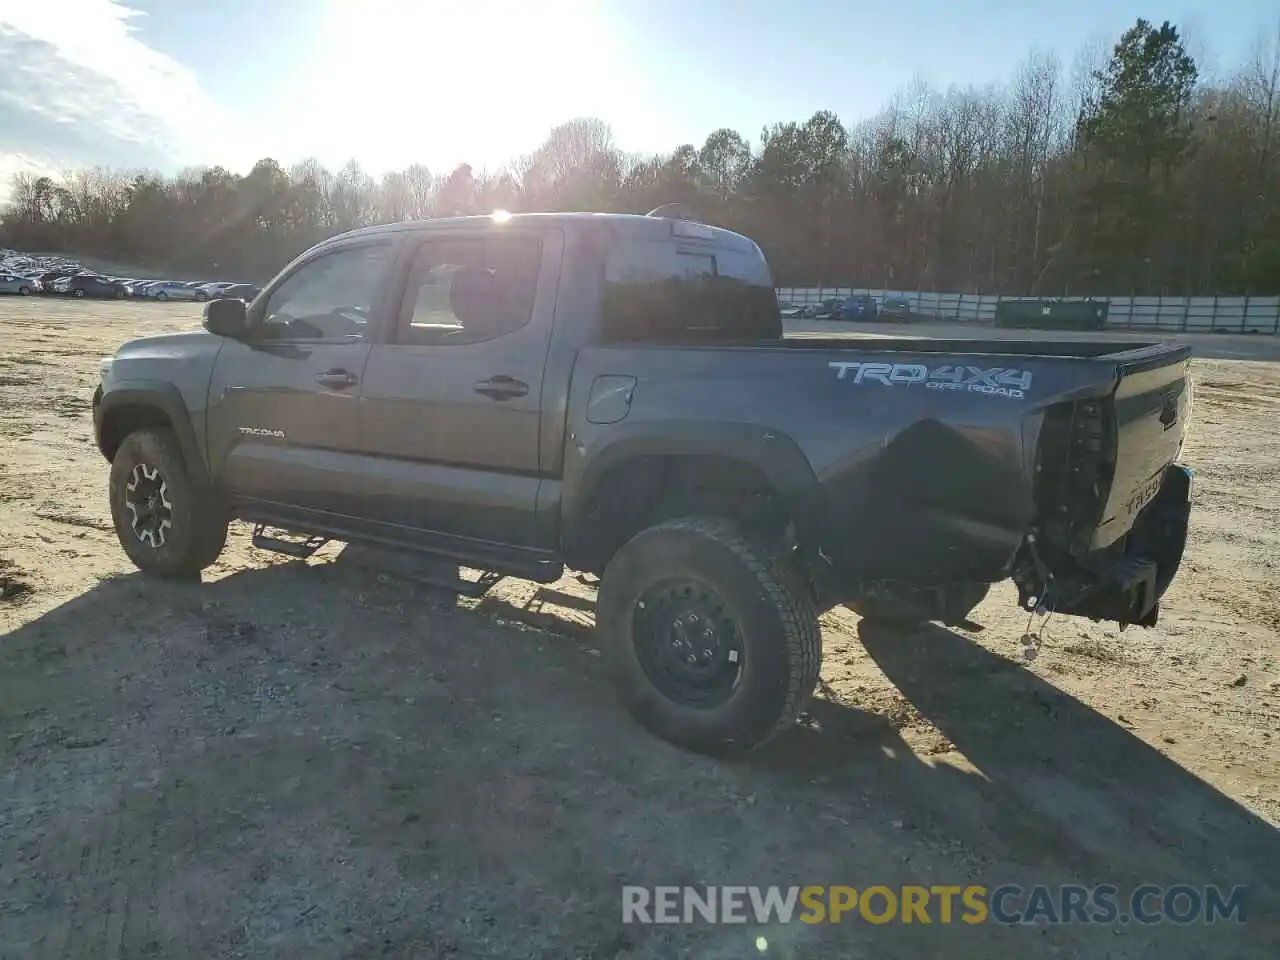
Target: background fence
1175,314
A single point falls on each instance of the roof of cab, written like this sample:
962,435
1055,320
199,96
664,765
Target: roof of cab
625,223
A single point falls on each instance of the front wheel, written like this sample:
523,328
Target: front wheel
713,641
202,296
162,295
77,293
24,291
169,523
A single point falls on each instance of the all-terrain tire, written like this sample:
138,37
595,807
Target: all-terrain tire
197,530
774,619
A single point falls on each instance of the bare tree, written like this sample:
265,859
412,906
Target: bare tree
1103,177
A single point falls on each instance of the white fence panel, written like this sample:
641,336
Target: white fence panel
1173,314
1119,311
1199,313
1144,314
1262,314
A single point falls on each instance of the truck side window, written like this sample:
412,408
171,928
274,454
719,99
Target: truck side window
469,290
657,292
329,298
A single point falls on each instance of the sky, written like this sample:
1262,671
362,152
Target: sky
164,84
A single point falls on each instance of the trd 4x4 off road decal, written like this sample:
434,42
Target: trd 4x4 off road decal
996,382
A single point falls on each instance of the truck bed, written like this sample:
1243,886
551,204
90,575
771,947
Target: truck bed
1038,347
934,459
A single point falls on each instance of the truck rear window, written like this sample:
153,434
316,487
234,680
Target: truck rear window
663,292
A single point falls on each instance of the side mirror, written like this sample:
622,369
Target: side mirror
226,318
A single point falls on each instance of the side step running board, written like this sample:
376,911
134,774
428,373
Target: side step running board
433,573
298,547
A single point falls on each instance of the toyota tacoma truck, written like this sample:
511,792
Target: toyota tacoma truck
614,394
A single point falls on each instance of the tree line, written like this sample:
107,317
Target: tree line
1127,172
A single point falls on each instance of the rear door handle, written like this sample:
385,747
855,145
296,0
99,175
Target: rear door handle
337,379
502,387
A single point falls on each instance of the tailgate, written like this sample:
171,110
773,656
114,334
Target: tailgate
1150,406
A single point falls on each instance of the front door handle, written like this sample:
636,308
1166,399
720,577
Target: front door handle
337,379
502,387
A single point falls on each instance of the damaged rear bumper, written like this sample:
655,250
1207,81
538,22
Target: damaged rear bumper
1124,583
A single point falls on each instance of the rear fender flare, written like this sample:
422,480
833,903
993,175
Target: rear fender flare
775,455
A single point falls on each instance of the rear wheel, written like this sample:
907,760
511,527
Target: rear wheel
169,523
712,640
162,295
77,292
202,296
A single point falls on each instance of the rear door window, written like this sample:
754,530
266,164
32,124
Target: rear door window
667,291
470,289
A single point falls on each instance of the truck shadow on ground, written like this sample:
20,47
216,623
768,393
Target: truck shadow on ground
1053,775
325,726
1052,772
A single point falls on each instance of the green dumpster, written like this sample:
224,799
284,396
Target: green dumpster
1050,314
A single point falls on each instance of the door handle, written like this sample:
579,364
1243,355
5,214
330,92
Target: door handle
502,387
337,379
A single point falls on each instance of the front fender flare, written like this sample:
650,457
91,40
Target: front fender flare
159,395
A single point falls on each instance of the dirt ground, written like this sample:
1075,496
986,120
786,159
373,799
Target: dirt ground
322,760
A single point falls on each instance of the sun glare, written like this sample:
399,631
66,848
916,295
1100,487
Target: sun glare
444,83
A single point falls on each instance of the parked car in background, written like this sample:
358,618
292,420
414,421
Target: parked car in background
200,288
51,277
96,287
239,291
173,290
828,309
215,289
790,311
895,308
23,286
858,308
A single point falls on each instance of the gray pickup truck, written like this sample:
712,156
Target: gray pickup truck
614,394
